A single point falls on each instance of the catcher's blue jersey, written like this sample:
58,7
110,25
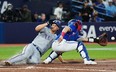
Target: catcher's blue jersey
73,35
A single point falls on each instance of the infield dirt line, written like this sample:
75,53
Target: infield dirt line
55,68
108,61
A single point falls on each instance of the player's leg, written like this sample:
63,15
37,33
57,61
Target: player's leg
60,48
35,58
26,53
53,55
64,46
73,45
84,54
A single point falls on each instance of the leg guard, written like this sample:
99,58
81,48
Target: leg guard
82,50
53,55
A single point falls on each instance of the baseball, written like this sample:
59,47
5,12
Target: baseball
112,38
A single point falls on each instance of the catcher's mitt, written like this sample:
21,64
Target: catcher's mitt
102,39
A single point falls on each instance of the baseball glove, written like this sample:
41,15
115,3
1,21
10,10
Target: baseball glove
102,39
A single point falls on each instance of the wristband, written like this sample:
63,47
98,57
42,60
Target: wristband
63,33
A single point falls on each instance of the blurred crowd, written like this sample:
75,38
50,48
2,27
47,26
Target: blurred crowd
22,14
61,11
92,9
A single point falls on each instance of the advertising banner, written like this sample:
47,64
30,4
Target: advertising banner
25,33
95,29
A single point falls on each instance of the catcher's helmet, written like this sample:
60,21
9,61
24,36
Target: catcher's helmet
77,23
57,22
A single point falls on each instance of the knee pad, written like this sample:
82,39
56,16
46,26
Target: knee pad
80,48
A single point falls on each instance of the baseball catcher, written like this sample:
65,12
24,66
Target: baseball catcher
70,39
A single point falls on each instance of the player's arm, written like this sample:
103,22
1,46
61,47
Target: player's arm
41,26
102,39
60,58
82,39
86,39
64,31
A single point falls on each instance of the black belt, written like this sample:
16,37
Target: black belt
38,49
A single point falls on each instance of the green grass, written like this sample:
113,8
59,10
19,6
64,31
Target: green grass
7,52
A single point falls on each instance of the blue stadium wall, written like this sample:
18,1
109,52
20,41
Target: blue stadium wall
25,33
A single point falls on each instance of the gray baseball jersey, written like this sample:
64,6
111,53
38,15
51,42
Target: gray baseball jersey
44,39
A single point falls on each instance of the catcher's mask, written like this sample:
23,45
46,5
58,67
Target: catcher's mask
77,23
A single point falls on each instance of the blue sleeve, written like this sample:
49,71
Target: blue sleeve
72,27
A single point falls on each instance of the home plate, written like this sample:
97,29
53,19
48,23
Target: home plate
30,67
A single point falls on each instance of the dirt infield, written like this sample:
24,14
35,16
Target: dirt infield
72,66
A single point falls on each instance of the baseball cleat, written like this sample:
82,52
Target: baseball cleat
45,62
92,59
7,64
90,62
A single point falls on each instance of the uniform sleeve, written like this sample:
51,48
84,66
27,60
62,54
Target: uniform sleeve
43,30
72,27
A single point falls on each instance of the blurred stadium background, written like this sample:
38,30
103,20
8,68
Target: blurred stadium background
16,26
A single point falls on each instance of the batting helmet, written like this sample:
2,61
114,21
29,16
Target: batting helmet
57,22
77,23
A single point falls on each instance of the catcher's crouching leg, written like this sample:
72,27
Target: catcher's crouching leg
101,40
84,54
53,55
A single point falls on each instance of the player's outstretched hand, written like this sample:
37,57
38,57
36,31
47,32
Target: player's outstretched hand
60,39
65,62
